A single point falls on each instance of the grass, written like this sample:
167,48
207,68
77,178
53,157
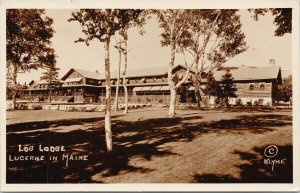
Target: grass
149,147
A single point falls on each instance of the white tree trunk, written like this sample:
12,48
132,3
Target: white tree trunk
171,82
124,74
118,80
197,91
108,132
172,103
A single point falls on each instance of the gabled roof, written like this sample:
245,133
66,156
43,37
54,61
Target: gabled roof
144,72
247,73
84,73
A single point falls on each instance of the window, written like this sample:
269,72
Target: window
251,87
262,87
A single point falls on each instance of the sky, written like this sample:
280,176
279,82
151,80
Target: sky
146,51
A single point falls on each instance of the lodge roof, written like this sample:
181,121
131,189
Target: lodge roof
153,71
252,73
85,73
157,71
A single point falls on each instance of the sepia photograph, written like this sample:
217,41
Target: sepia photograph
107,95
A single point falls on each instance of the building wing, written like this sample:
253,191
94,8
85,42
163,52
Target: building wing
143,72
248,73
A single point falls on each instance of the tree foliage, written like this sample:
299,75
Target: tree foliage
51,74
28,42
285,91
51,77
212,87
28,39
98,23
213,37
283,19
137,19
227,87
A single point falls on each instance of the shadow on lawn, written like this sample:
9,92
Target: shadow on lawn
143,139
255,170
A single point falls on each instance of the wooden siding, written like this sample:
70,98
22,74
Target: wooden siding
261,89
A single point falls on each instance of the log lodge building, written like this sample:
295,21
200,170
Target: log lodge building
255,85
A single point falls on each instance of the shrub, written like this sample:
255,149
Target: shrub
21,106
239,102
260,102
70,108
36,107
89,109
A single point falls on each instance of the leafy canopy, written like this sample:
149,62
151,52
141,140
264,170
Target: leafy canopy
50,75
212,87
283,19
215,36
97,23
28,39
228,88
285,91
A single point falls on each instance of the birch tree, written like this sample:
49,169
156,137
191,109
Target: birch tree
102,24
28,43
118,46
138,20
216,37
174,25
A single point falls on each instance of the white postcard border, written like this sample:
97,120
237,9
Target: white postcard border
180,4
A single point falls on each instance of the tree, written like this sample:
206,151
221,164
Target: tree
174,25
102,24
135,21
51,77
283,18
227,86
212,87
118,46
215,38
28,43
285,91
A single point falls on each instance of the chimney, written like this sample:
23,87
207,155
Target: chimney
272,62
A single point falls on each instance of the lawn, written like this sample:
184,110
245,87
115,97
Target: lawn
195,147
